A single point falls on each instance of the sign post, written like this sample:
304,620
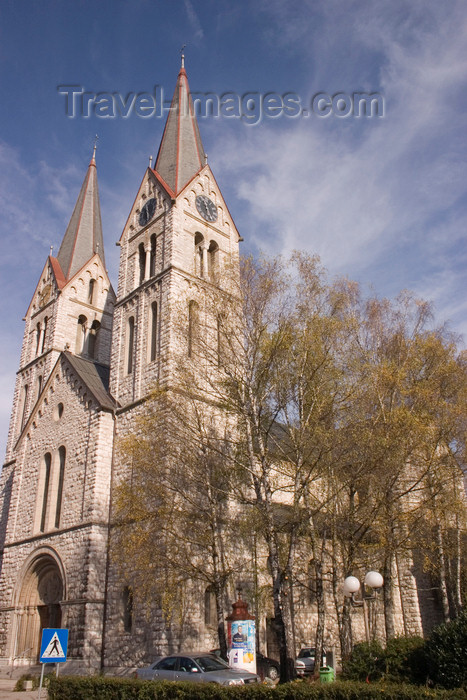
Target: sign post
54,647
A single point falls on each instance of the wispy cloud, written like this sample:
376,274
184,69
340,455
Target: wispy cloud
193,19
358,192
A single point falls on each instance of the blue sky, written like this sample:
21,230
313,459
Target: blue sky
382,200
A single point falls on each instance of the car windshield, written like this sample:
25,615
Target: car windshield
210,663
306,653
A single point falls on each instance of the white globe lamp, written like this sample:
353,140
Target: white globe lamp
373,579
351,586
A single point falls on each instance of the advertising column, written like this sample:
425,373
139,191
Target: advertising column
241,637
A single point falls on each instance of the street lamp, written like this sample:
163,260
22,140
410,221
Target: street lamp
374,581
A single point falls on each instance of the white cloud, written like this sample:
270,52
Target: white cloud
364,194
194,21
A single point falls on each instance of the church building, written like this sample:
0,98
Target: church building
89,359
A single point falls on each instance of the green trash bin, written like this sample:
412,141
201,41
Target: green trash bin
326,674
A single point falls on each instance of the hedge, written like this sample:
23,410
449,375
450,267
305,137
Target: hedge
104,688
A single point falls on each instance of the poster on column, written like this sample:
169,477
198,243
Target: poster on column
243,651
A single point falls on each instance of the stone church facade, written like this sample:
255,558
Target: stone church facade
88,360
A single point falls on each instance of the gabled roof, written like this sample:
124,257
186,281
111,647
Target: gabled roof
181,154
95,377
83,236
58,272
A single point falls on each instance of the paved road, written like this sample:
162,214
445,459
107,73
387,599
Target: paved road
6,691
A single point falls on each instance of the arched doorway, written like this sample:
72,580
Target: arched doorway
38,605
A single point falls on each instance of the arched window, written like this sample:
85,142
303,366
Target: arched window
92,339
193,327
127,608
221,339
39,386
199,261
210,609
61,478
152,268
45,493
25,405
213,261
44,333
38,337
153,332
142,262
91,289
81,334
130,341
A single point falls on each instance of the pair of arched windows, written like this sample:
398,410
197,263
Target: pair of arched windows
147,259
152,338
51,489
87,337
206,258
41,333
194,333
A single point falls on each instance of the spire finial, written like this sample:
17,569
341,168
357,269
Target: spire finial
93,159
51,250
182,56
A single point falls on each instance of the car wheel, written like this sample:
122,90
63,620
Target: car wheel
273,673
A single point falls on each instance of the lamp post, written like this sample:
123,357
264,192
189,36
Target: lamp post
374,581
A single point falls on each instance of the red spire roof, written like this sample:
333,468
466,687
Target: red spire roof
83,237
181,153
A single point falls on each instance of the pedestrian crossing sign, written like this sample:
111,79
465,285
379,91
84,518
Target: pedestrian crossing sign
53,646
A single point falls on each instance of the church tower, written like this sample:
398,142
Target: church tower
179,236
55,484
71,308
178,240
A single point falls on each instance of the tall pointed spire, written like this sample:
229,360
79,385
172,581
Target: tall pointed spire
181,153
83,236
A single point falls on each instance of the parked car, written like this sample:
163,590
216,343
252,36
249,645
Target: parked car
265,667
305,661
198,667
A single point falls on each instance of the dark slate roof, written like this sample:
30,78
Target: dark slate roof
83,237
181,153
95,377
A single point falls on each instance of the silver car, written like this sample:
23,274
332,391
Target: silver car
305,661
199,667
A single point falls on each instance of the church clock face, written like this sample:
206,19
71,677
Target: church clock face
206,207
147,212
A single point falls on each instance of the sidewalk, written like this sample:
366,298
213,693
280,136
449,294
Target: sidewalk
6,691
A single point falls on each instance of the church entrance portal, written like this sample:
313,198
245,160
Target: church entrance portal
38,607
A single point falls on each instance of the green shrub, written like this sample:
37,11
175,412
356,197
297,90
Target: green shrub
405,660
446,652
102,688
20,683
365,663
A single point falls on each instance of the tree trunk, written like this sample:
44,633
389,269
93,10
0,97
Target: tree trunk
388,594
320,627
443,588
219,589
456,578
